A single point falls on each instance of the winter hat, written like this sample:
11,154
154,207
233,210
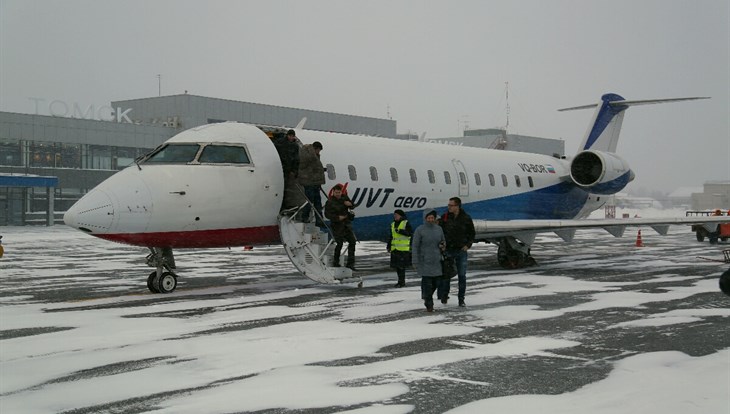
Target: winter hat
432,213
400,213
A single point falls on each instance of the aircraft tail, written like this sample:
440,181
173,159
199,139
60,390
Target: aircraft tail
603,132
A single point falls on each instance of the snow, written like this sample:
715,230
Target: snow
240,348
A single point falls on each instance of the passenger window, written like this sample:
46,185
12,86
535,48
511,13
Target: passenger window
431,177
373,173
331,172
477,179
504,180
394,174
517,181
352,171
491,180
462,178
529,181
447,177
224,154
174,154
414,179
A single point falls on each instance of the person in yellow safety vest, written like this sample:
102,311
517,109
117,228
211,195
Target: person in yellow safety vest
399,245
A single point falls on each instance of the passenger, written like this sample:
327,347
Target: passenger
311,177
288,149
337,209
399,245
459,231
428,244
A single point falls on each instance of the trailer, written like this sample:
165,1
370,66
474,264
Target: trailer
713,232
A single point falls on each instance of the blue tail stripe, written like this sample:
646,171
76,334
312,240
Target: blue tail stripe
604,118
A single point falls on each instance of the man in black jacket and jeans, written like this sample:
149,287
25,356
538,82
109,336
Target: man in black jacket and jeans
459,231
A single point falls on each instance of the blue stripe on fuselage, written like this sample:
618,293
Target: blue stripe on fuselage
561,201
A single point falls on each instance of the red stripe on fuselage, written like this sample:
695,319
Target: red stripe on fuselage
199,238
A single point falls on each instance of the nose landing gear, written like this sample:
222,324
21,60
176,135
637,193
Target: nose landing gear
164,279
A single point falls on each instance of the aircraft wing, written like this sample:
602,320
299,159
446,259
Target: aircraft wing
525,230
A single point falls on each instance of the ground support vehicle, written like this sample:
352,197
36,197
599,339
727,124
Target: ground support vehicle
716,231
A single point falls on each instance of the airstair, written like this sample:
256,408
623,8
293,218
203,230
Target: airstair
311,250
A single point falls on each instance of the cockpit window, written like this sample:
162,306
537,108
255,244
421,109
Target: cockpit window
224,154
174,154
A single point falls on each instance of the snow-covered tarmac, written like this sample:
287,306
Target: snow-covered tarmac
600,326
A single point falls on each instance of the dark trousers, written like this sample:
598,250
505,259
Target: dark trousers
343,233
401,272
428,286
312,192
460,257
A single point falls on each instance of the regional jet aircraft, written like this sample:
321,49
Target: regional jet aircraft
221,185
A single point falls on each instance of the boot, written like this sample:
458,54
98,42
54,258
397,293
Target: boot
401,280
350,263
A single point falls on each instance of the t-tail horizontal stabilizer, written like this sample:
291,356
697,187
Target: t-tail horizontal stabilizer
604,129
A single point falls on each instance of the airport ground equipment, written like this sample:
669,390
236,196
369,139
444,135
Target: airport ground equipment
713,232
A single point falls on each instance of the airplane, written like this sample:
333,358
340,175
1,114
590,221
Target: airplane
222,185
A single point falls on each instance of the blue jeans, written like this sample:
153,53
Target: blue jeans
460,257
312,194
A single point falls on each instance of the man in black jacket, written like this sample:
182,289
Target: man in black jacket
337,209
459,231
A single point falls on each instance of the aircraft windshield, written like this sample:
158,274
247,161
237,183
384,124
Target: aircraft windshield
174,154
224,154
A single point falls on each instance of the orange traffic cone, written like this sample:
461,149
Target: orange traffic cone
639,243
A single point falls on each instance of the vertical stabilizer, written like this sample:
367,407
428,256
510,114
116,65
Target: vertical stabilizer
603,132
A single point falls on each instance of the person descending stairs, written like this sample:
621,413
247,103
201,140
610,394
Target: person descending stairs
312,249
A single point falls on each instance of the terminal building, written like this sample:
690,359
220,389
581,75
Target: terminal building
500,139
48,162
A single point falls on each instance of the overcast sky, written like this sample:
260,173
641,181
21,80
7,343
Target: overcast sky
433,66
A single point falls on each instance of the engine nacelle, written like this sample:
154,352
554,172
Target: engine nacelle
600,172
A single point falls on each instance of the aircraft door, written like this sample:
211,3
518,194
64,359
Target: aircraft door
461,177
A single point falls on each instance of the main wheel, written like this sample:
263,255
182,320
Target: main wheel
509,259
167,283
700,237
152,282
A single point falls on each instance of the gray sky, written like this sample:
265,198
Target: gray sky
431,65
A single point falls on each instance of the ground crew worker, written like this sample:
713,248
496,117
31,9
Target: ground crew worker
399,245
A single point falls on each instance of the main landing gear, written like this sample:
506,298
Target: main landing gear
164,279
514,254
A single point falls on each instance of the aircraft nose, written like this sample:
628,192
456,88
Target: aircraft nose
93,213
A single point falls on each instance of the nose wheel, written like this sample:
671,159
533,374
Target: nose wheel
162,280
163,283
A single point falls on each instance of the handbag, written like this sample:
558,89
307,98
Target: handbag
448,266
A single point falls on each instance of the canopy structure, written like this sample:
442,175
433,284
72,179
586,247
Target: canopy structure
30,181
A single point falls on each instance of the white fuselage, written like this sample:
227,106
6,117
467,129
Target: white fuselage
200,204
